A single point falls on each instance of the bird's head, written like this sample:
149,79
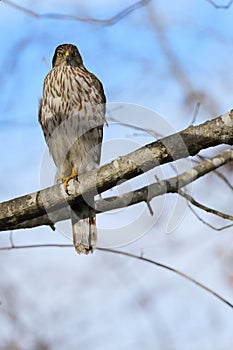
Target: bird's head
67,55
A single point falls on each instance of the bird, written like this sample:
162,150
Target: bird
72,117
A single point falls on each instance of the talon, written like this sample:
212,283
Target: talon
66,180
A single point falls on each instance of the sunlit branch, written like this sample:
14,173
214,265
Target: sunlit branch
145,194
166,150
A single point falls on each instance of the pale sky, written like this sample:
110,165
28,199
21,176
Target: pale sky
110,302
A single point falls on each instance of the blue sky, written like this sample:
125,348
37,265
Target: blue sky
111,302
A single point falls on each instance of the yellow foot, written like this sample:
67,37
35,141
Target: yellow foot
66,180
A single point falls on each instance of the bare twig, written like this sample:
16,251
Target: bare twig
182,274
41,245
195,114
130,255
57,16
218,173
223,177
11,239
150,208
227,6
207,223
145,130
204,207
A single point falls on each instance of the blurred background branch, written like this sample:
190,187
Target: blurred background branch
105,22
227,6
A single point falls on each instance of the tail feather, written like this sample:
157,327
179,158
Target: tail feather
84,230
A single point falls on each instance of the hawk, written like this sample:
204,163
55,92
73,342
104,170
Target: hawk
72,115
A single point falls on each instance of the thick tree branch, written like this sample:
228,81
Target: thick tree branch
180,145
145,194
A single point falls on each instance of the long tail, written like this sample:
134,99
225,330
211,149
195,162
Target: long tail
84,230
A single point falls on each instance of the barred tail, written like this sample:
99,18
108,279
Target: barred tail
84,230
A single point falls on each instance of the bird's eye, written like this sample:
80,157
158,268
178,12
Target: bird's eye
59,54
74,54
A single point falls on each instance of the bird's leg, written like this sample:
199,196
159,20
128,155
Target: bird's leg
66,180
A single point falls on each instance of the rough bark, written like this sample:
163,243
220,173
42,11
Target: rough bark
179,145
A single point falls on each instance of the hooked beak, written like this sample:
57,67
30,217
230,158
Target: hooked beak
67,54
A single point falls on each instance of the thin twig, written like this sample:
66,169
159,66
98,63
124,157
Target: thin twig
217,172
180,273
223,177
227,6
130,255
57,16
207,223
41,245
145,130
150,208
11,239
196,112
205,208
